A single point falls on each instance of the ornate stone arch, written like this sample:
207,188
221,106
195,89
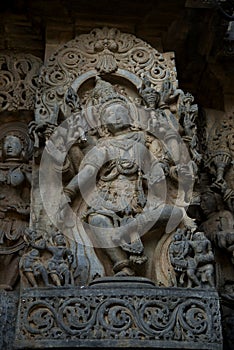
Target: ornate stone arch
104,51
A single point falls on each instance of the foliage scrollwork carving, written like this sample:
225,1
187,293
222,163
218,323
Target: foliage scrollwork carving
99,314
101,51
18,81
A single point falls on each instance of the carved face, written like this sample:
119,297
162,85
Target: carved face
208,203
12,147
198,236
59,240
150,96
116,117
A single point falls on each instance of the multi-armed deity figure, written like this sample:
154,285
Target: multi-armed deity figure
124,178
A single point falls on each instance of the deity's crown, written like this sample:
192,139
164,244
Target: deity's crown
105,95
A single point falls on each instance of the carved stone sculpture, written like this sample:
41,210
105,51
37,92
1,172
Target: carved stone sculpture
226,241
33,268
58,266
18,81
102,51
220,152
219,228
15,182
115,163
219,224
45,263
129,168
116,317
204,259
192,257
126,129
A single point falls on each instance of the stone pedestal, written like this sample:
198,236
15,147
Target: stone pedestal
119,312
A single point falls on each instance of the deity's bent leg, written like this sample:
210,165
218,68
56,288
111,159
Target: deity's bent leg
30,277
44,274
117,256
55,279
165,215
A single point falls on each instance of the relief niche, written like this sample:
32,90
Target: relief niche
116,161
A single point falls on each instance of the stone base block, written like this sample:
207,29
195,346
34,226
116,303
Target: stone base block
119,312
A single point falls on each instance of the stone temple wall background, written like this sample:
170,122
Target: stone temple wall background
62,65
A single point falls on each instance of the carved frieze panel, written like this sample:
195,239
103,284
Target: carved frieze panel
138,314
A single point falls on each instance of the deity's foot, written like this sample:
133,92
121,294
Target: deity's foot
125,272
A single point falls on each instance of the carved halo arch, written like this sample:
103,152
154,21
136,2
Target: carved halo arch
105,51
